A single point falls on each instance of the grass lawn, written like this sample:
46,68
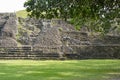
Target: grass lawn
60,70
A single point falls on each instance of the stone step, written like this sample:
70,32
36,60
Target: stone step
29,55
33,58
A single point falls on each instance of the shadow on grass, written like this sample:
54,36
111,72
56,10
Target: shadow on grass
114,76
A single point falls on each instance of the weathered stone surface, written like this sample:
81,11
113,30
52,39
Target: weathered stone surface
49,38
8,24
43,29
8,29
8,42
74,38
93,52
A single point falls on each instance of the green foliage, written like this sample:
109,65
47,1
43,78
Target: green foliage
101,12
71,8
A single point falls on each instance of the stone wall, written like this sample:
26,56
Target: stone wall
74,38
93,52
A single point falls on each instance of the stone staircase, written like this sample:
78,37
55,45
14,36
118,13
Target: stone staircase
26,53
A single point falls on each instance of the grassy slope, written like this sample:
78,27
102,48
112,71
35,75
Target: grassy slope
22,13
59,70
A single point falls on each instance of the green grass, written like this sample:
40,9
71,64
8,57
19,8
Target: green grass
22,13
59,70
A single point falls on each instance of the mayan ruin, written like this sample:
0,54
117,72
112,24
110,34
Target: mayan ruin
31,38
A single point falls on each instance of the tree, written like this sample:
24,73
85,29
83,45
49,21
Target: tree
101,12
48,8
